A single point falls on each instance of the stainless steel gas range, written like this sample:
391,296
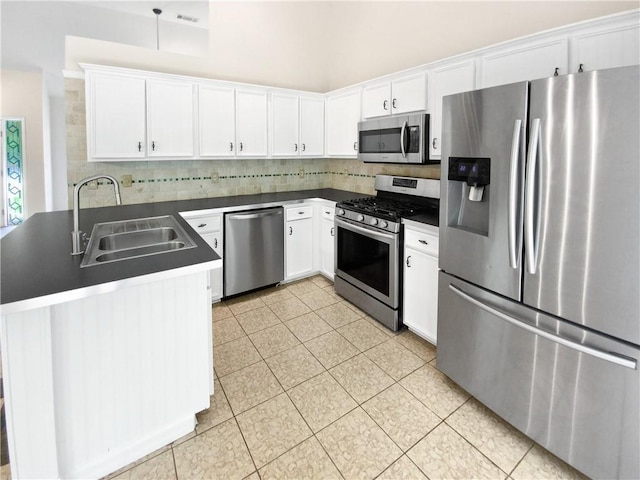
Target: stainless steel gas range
369,243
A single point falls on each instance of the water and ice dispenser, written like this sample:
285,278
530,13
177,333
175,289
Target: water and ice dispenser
469,193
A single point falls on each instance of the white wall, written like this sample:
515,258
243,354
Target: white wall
33,39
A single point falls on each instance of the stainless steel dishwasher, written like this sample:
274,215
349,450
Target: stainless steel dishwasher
253,249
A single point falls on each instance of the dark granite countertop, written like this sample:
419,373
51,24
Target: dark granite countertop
36,260
429,218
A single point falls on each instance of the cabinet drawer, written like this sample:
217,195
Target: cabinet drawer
423,242
328,212
207,224
297,213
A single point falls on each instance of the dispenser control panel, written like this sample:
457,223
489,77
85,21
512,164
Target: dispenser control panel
476,172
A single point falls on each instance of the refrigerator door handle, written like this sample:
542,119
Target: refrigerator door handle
531,210
607,356
515,203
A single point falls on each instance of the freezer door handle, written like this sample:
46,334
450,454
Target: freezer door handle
532,209
608,356
515,197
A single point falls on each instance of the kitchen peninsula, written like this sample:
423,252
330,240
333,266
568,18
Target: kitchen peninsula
105,364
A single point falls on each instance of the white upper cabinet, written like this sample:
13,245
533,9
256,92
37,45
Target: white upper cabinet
170,119
402,95
343,115
116,116
217,121
251,123
447,80
297,125
526,61
312,126
606,47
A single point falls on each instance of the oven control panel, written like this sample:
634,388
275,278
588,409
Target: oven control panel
367,221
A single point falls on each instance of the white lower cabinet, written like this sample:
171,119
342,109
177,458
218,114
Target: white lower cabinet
327,241
420,290
209,227
299,243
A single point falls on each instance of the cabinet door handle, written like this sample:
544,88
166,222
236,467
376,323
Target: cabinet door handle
556,72
333,231
385,104
202,225
153,146
290,231
408,261
231,146
215,243
580,69
300,213
394,103
304,147
424,242
241,146
295,147
355,146
435,142
139,146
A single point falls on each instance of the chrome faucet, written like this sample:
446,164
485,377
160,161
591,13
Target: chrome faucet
77,235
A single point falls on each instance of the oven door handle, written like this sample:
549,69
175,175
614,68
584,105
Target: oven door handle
365,231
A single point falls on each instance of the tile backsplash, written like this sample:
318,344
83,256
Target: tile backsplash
158,181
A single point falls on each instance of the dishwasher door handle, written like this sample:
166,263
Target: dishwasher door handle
250,216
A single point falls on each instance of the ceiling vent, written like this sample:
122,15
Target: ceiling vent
187,18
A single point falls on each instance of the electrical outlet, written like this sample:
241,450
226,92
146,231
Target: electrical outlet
92,185
126,180
215,177
301,173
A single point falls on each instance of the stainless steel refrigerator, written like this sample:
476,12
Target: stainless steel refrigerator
539,289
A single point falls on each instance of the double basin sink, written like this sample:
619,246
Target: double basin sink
113,241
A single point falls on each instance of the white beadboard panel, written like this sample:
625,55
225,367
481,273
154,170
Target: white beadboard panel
29,394
128,365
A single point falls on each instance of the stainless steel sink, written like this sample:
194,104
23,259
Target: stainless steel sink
113,241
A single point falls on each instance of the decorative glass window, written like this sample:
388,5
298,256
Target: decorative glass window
12,171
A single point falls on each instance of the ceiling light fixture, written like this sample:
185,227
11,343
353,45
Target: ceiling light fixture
157,11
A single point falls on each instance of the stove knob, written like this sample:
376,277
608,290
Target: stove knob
361,218
340,211
374,221
384,224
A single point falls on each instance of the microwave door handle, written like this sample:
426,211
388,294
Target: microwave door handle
402,137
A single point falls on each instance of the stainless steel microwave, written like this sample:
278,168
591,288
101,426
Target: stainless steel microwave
395,139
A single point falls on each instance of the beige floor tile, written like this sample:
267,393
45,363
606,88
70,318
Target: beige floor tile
445,454
253,476
321,281
387,331
330,290
360,313
226,330
288,309
308,326
317,299
361,378
5,472
402,469
294,366
539,463
302,286
221,311
160,467
321,400
255,320
235,355
218,411
307,461
331,349
338,314
417,345
401,416
121,470
250,386
273,340
394,359
275,295
358,447
362,334
435,390
272,428
496,439
219,453
245,303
